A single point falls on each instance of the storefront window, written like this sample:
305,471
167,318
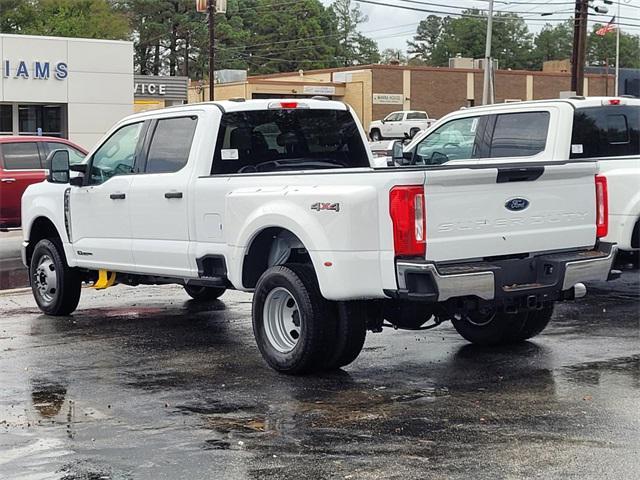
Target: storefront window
40,120
6,119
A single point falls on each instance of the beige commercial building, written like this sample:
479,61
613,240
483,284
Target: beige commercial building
376,90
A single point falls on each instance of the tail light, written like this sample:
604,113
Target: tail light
407,209
602,207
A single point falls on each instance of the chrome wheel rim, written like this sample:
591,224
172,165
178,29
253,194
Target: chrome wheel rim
45,279
282,320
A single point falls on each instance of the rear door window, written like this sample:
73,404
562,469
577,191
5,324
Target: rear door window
608,131
519,134
288,139
171,144
21,156
416,116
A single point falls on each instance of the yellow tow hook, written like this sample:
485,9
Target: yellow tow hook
105,280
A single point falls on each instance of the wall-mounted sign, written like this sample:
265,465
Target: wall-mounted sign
168,88
319,90
388,98
37,70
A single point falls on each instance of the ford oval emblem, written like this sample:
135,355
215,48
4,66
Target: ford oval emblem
516,204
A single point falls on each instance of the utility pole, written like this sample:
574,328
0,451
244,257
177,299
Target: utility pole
211,7
615,88
579,46
488,64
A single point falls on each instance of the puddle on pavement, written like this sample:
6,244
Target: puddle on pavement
48,398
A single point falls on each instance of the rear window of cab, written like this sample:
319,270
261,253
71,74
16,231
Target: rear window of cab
607,131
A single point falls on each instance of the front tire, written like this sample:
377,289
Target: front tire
375,135
204,294
292,323
56,287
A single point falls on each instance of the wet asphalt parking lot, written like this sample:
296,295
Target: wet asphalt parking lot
143,383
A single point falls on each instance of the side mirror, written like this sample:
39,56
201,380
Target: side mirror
58,162
397,152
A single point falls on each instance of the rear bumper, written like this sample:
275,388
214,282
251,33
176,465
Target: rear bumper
545,276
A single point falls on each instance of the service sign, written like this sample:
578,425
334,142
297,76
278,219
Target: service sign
160,87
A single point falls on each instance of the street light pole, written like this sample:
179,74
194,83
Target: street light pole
211,7
488,64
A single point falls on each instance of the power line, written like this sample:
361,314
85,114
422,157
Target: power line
496,19
496,12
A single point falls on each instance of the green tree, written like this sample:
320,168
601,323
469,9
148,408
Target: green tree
354,48
426,38
64,18
512,43
15,15
602,49
286,37
553,43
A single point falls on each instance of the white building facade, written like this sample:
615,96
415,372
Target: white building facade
65,87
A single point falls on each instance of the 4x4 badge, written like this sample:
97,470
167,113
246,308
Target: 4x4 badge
334,207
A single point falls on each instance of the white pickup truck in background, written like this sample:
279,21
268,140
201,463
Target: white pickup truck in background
279,198
604,129
403,124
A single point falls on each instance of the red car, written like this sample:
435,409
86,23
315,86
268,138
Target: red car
22,162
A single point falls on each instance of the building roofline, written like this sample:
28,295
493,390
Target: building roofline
81,39
420,68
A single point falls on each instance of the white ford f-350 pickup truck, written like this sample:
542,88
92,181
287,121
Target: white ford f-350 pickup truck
605,129
278,197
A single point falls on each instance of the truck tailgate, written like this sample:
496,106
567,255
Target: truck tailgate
505,210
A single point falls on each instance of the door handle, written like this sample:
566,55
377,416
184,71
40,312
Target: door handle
519,174
173,195
8,180
117,196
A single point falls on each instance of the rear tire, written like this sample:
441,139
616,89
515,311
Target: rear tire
293,324
204,294
492,328
350,335
56,287
413,132
536,322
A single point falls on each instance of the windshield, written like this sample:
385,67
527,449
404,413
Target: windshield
288,139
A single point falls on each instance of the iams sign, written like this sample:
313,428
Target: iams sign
37,70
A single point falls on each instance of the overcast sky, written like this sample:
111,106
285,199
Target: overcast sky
392,27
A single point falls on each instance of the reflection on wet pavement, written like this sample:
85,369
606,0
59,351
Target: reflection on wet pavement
142,383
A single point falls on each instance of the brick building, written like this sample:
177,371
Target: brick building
376,90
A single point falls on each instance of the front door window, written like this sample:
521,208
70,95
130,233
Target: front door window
117,155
